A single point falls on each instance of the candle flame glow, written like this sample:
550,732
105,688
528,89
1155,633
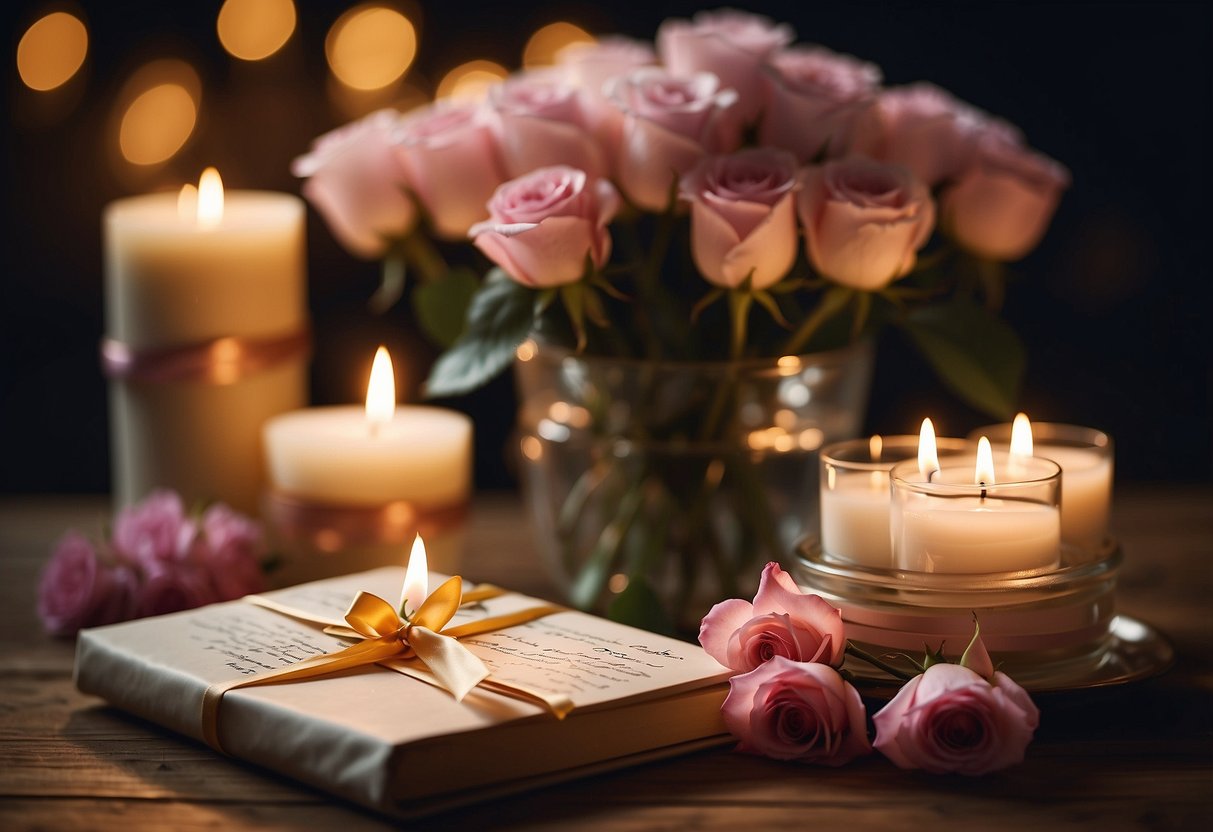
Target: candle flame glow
875,446
416,578
381,390
984,473
187,202
928,456
1021,436
210,199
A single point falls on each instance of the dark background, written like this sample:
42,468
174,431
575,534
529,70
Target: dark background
1114,305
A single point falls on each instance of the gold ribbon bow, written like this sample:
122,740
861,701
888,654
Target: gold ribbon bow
385,635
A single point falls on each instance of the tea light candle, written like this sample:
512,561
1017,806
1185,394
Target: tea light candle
940,523
206,336
372,455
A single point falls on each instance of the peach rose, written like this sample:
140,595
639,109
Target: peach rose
450,155
950,719
541,120
668,124
814,98
356,183
730,44
1001,206
782,621
796,711
743,216
864,221
542,226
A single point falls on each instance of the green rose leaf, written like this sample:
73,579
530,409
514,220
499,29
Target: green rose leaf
442,305
976,355
500,317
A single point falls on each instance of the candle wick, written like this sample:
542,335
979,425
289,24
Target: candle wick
983,490
931,475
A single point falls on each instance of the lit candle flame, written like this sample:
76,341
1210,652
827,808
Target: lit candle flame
1021,437
381,391
875,446
928,457
210,199
187,202
416,579
984,473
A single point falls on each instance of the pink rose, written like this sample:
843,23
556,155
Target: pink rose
154,530
172,587
797,711
450,156
542,121
542,226
232,552
950,719
864,221
814,99
78,590
730,44
782,622
927,130
1001,206
668,124
588,67
743,216
358,186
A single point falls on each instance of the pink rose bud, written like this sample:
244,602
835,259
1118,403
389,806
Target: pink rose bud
588,67
154,530
358,186
77,590
864,221
232,552
450,156
950,719
730,44
782,621
743,216
925,129
814,98
173,587
668,124
541,121
542,226
1001,206
797,711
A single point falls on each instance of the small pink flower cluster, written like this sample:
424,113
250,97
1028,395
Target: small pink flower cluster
158,559
856,162
790,702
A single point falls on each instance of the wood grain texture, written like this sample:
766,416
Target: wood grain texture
1134,757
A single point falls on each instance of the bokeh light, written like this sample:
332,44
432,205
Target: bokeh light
370,46
545,45
255,29
51,51
471,81
159,109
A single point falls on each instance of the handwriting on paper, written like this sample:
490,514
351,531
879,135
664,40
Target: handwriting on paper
249,641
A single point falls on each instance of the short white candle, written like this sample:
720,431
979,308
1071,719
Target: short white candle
182,271
855,519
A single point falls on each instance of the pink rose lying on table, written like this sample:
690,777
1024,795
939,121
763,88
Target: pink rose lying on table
792,710
78,590
743,217
1002,204
544,225
358,186
951,719
864,221
781,622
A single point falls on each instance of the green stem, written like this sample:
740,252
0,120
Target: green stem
421,253
865,656
832,302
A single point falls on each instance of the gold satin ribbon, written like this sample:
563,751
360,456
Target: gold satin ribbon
386,636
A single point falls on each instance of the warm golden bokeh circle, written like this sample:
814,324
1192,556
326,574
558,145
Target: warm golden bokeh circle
370,46
255,29
51,51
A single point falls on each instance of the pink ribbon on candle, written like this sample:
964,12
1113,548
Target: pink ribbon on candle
330,528
220,361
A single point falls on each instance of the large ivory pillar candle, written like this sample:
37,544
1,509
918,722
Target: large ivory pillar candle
206,328
352,485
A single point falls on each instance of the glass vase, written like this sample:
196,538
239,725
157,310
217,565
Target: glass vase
660,488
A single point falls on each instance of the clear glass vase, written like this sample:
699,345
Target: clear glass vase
660,488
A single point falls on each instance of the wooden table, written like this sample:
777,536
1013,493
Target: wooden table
1134,757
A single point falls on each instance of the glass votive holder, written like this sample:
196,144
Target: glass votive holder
1086,459
945,523
855,495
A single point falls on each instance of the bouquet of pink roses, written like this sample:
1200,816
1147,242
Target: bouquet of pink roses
725,194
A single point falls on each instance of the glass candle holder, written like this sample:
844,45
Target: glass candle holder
855,495
947,523
1086,459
